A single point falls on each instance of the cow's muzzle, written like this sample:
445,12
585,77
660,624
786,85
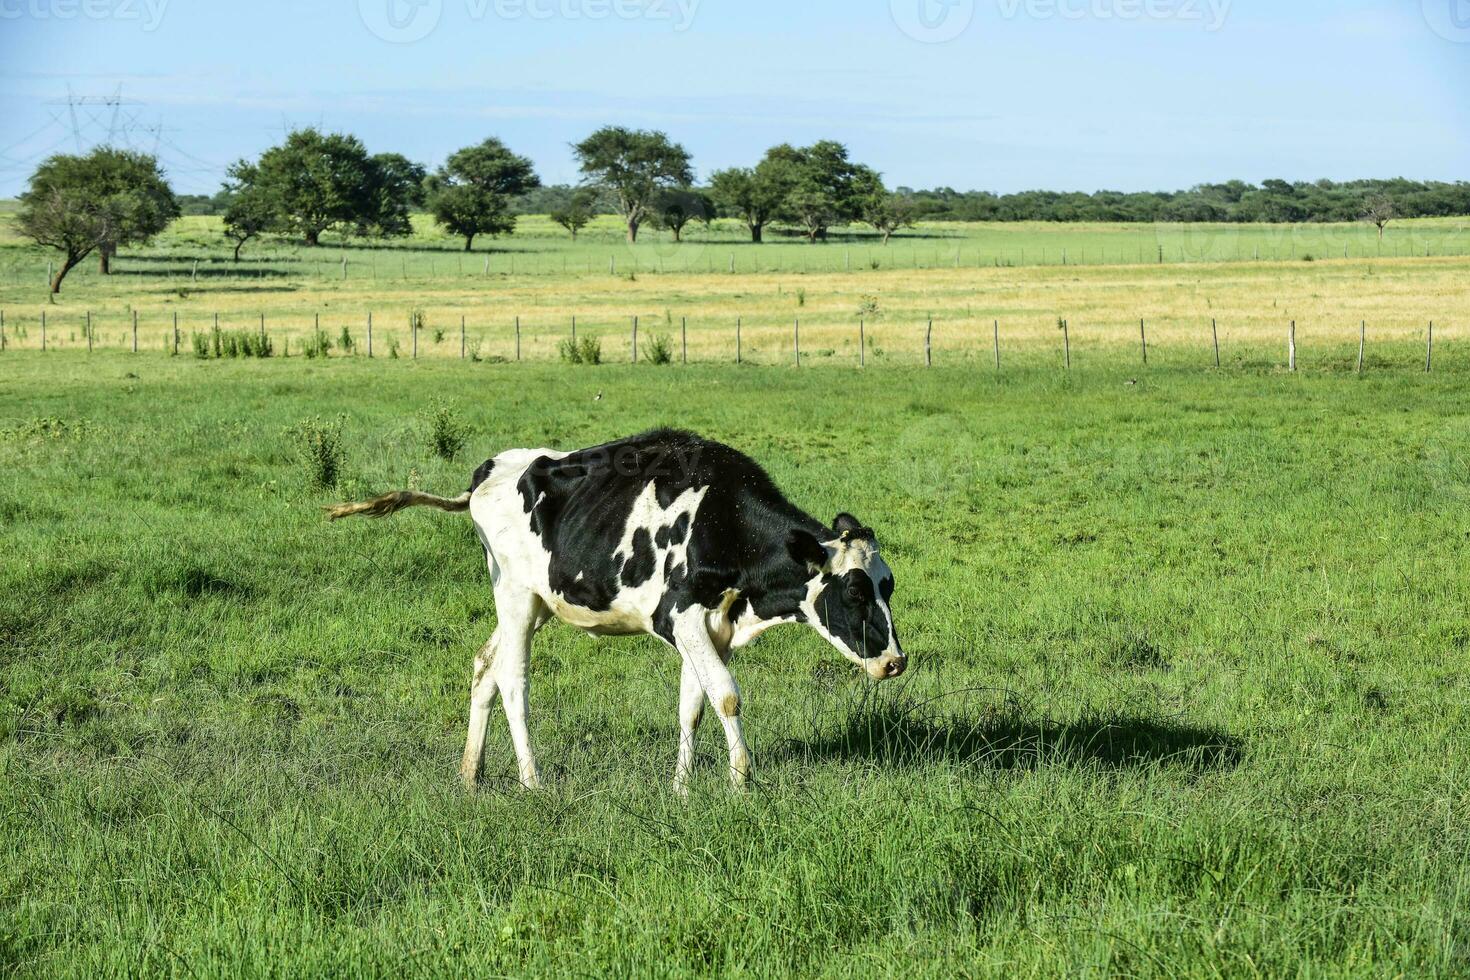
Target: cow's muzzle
887,667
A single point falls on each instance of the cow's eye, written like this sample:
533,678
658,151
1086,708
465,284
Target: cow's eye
854,596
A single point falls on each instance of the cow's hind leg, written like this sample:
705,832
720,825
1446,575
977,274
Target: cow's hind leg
521,614
482,696
691,709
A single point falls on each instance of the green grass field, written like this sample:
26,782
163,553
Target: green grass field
1188,692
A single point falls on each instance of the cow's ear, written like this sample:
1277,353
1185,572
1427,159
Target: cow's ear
805,549
845,523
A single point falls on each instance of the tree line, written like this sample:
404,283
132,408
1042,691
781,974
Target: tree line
316,182
1274,201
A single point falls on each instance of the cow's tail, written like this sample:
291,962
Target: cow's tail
392,503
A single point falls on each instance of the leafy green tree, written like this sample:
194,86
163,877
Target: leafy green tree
889,212
249,212
97,202
828,187
316,181
576,214
473,193
674,209
395,188
754,195
633,166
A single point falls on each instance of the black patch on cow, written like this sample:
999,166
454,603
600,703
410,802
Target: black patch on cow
885,589
674,533
638,568
482,473
852,529
847,609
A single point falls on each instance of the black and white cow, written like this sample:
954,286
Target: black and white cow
664,533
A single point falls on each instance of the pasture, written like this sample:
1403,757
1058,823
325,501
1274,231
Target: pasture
1188,696
967,278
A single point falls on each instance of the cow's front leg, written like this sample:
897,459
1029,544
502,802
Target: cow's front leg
691,636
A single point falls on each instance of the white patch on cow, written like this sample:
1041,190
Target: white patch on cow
499,511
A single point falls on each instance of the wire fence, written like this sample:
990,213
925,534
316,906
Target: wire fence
662,340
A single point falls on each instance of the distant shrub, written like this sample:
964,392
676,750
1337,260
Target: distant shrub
319,444
393,348
660,349
344,340
869,308
317,345
447,432
232,343
587,350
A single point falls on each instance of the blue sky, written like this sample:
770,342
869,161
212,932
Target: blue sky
1001,95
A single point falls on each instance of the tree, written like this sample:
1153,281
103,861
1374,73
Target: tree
827,187
249,212
97,202
673,209
754,195
315,181
1380,210
890,212
472,193
395,187
576,213
633,166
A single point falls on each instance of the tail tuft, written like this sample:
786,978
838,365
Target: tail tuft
392,503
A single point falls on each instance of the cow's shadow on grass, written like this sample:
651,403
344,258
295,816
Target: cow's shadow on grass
1003,739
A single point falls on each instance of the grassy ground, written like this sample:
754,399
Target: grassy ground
1188,693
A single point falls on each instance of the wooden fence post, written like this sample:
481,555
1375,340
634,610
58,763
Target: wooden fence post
684,335
928,344
737,340
2,330
1143,341
635,340
1429,350
518,339
1362,342
370,333
1215,332
135,331
1067,342
89,331
1291,346
796,340
461,336
413,331
862,342
43,329
574,330
176,333
997,346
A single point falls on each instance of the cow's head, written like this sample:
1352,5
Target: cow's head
848,595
